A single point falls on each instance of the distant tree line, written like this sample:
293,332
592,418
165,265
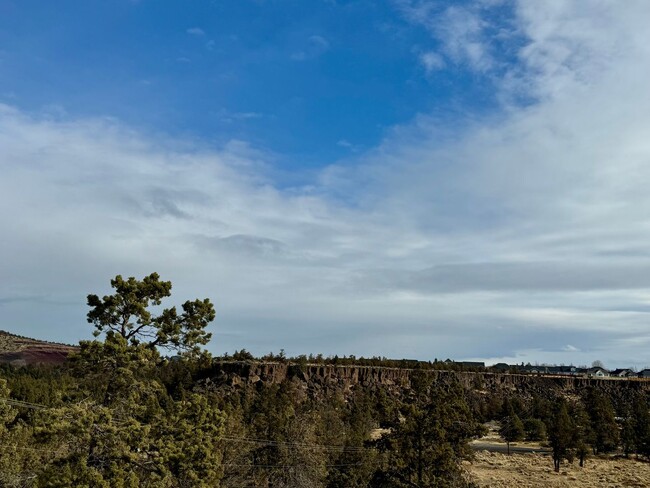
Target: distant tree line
352,360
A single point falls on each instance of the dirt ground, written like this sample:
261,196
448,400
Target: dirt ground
496,470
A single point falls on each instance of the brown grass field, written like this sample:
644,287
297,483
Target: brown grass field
496,470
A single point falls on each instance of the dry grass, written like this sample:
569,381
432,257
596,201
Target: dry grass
496,470
12,343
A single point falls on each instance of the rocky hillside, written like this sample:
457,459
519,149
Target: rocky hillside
22,351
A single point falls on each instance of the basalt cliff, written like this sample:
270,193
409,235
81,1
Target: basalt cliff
316,379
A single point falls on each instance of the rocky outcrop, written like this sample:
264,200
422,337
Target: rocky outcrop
317,377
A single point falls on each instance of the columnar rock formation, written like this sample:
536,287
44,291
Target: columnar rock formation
318,377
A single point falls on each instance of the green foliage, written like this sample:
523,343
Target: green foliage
428,440
7,412
561,435
583,433
603,422
535,429
125,314
641,425
628,435
512,428
356,465
120,427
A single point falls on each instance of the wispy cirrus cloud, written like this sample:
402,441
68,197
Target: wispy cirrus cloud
464,33
432,61
315,46
196,31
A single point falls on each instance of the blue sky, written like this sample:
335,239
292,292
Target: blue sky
310,81
407,178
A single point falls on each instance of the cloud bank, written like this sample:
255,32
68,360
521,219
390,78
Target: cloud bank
521,235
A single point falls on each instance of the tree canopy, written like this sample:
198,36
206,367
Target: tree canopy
125,315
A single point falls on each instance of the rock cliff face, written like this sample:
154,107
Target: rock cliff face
314,378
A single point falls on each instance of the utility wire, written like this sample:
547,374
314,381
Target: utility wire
270,442
265,442
20,403
290,465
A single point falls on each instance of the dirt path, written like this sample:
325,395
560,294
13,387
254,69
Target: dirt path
496,470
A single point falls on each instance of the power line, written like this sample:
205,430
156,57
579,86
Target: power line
38,449
270,442
20,403
290,465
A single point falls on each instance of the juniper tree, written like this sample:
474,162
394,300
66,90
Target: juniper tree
560,434
641,417
603,422
123,428
535,429
512,429
125,314
429,439
583,434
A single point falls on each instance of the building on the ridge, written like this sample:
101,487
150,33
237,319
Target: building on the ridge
598,372
644,373
622,373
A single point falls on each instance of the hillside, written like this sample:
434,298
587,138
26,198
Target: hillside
22,351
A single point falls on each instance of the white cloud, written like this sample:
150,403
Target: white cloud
464,34
520,236
348,145
432,61
196,31
229,117
344,143
319,41
314,47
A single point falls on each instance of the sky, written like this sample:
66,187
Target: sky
401,178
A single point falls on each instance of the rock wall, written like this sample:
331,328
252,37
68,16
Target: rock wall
317,377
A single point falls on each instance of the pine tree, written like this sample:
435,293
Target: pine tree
122,428
603,422
560,434
535,429
628,434
512,429
427,442
583,434
641,417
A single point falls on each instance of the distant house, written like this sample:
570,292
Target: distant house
598,372
561,370
533,369
644,373
623,373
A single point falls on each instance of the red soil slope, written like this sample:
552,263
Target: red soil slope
22,351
